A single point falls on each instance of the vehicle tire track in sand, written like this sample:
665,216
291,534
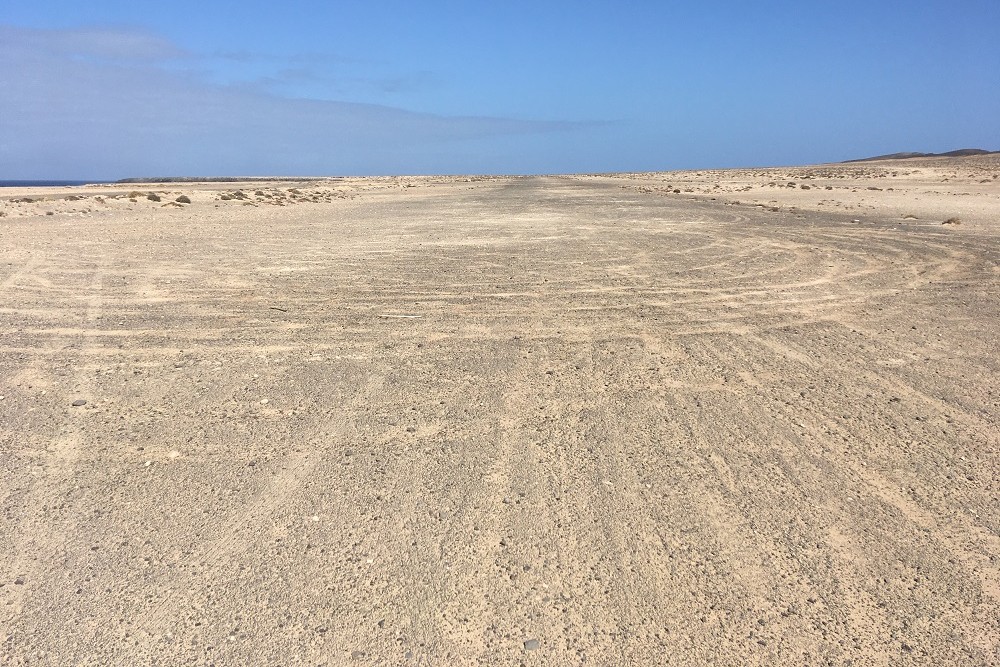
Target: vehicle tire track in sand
635,429
237,532
982,552
24,270
62,454
823,485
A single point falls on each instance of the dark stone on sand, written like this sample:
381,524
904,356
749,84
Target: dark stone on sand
78,402
531,645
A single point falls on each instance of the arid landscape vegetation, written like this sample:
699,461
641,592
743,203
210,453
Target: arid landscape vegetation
739,416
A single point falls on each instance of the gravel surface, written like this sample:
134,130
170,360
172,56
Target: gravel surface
498,421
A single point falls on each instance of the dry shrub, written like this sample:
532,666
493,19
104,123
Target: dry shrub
952,221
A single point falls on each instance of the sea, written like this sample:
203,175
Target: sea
45,184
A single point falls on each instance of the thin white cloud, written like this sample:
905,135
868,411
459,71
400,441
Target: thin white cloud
92,102
100,43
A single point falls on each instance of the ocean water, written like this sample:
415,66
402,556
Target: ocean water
43,184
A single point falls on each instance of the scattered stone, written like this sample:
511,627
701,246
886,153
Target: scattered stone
19,581
78,402
531,645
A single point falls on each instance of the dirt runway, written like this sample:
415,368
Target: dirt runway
496,421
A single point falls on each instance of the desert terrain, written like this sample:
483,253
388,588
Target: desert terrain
708,417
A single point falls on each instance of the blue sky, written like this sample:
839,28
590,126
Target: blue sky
113,89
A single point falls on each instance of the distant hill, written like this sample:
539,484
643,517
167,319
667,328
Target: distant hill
962,152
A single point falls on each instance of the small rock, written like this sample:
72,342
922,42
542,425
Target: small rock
78,402
531,645
19,581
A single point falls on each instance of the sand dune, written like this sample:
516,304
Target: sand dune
714,417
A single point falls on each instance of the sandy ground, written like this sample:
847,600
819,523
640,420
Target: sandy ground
501,421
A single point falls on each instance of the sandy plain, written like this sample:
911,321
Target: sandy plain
683,418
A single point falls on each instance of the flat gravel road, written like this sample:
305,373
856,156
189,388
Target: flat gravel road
494,421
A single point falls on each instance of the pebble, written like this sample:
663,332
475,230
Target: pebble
78,402
531,645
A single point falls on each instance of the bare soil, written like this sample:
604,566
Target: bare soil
499,421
